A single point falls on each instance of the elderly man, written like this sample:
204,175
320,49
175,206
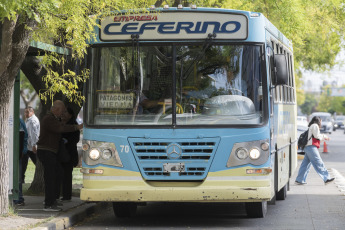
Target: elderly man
33,127
47,149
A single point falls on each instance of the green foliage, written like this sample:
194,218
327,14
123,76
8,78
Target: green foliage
309,104
67,23
299,92
25,84
316,28
331,104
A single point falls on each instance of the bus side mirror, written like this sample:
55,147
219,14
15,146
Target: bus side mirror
281,69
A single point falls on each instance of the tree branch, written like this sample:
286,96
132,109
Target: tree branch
8,27
158,3
21,38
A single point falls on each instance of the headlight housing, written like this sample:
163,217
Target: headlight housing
251,152
99,152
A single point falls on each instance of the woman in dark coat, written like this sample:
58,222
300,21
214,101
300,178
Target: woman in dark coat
71,140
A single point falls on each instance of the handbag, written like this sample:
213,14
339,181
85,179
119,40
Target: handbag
63,154
316,142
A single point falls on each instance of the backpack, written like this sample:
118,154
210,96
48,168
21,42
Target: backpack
303,140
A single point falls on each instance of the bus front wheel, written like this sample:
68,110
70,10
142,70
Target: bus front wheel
124,209
256,209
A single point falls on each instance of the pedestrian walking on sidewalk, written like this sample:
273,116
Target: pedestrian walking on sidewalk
312,155
47,149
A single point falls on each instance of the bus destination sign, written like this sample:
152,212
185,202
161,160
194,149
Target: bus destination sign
115,100
174,26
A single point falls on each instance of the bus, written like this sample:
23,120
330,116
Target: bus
189,104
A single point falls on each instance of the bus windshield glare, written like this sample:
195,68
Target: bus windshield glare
186,85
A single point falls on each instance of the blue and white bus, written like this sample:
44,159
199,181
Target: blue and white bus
189,105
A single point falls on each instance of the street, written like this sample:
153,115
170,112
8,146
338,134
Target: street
311,206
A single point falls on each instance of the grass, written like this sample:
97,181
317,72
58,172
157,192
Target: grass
11,212
30,173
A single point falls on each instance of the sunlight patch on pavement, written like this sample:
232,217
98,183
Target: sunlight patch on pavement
339,180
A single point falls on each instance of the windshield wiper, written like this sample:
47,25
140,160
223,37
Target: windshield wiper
206,45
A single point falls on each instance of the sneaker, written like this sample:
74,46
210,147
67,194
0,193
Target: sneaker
52,208
19,203
300,183
58,203
329,181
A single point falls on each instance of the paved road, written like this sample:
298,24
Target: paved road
311,206
336,148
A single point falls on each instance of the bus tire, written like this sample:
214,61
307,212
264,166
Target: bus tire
281,194
256,209
124,209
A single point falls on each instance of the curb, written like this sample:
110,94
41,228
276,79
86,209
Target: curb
73,216
300,157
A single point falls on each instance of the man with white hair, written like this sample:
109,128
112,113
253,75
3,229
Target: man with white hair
47,149
33,127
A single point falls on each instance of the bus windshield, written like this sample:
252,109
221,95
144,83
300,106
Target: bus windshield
181,85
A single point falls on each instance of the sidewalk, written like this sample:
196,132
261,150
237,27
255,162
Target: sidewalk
317,200
32,216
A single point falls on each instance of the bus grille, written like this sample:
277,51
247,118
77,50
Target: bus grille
174,159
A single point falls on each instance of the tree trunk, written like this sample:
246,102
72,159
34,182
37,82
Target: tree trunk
14,46
37,185
5,95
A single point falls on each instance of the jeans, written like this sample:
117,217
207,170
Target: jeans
20,188
312,157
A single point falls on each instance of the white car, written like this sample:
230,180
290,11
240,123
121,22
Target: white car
302,121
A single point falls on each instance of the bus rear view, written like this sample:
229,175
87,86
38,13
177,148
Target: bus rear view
178,110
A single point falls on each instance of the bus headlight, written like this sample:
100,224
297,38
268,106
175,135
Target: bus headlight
99,152
94,154
106,154
251,152
242,153
254,154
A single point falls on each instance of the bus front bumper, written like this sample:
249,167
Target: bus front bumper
215,188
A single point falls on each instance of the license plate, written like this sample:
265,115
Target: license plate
174,167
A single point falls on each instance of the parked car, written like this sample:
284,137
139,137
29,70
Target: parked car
302,121
327,125
339,122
